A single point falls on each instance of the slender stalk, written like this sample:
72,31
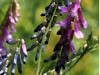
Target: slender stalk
79,57
43,40
73,64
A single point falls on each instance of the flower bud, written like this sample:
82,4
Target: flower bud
23,48
19,65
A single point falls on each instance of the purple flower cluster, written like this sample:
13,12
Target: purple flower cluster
74,17
7,27
8,23
69,27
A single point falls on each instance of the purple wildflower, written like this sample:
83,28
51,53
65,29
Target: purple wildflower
66,37
83,23
68,28
66,22
23,47
73,9
8,22
66,9
77,32
71,46
7,25
6,33
11,23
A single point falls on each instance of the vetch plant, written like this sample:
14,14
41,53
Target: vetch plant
14,55
13,52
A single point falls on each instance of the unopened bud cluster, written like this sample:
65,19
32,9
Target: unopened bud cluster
41,29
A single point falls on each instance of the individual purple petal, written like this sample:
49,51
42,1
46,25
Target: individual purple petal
78,33
12,20
74,11
61,23
69,32
9,37
62,8
71,46
6,34
81,20
23,47
66,22
65,9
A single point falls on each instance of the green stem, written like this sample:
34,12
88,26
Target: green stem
43,40
39,61
72,65
79,57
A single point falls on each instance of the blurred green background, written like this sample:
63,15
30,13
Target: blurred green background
30,11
